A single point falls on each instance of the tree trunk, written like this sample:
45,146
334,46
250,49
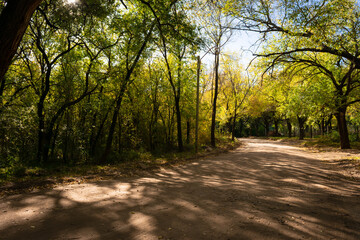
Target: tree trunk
14,20
241,126
112,126
41,138
266,126
289,127
94,140
188,131
119,134
53,143
233,126
213,115
301,121
41,127
178,122
276,123
328,124
197,103
342,126
322,127
46,146
121,94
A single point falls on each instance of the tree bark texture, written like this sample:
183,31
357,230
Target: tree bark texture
233,124
342,126
213,115
178,123
301,121
14,20
197,103
289,127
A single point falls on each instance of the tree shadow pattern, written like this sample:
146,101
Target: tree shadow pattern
263,192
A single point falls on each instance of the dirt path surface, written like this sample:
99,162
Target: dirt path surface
263,190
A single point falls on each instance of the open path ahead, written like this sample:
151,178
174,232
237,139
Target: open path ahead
263,190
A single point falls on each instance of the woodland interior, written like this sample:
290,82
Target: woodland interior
179,119
102,82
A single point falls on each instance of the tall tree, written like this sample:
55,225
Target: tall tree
216,27
310,30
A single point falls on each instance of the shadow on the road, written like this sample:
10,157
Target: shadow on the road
241,195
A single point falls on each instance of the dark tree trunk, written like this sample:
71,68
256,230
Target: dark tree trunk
342,126
213,115
41,138
328,124
188,131
46,146
241,123
322,127
233,125
42,134
112,126
53,143
154,119
121,94
95,140
266,126
301,121
14,20
289,127
178,123
318,131
276,123
119,134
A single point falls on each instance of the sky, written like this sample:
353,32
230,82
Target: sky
239,45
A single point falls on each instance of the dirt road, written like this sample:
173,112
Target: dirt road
263,190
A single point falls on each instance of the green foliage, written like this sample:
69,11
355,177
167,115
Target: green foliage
95,76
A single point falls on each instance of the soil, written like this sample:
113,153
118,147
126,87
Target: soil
262,190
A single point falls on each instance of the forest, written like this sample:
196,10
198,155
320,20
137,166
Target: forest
103,81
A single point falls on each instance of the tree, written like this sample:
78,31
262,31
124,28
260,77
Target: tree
236,88
135,43
216,27
14,20
326,29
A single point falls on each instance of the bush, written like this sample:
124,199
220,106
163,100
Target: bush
353,137
333,136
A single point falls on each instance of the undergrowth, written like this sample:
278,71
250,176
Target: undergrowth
125,165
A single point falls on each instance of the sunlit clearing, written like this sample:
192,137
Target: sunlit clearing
71,1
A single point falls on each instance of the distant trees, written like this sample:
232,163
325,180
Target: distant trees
322,35
216,26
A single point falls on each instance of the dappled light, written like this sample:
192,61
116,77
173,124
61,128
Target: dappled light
281,193
71,2
149,119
